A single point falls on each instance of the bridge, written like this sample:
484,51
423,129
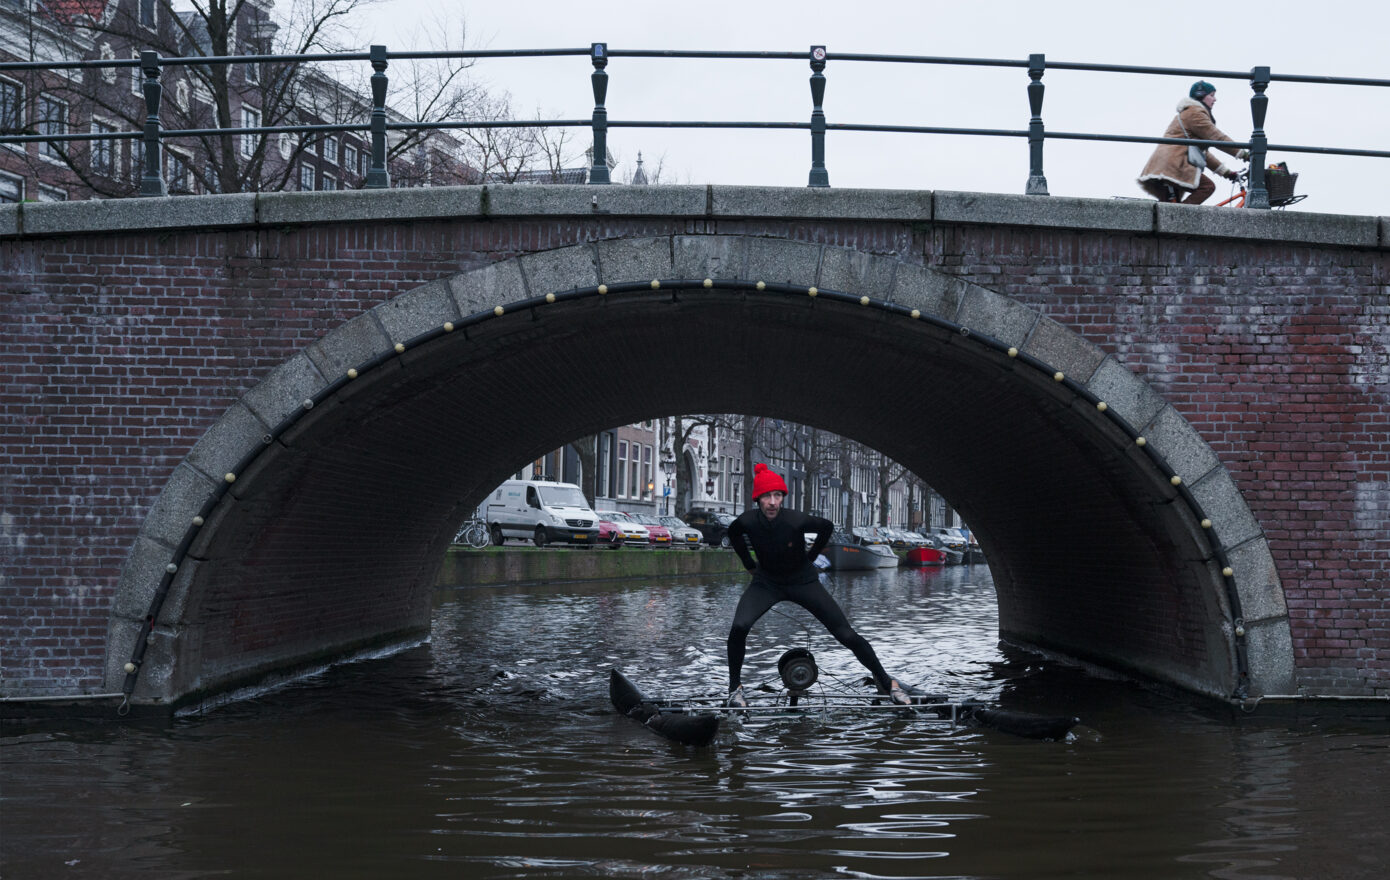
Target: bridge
240,430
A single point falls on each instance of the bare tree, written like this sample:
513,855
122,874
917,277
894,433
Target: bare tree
218,97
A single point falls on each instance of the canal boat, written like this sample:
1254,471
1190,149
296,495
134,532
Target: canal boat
924,556
883,555
845,555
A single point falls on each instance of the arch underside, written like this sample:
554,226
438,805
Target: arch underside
332,538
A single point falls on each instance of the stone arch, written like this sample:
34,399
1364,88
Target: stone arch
1045,423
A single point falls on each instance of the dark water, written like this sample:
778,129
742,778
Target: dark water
493,752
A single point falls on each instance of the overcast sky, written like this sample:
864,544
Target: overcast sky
1330,37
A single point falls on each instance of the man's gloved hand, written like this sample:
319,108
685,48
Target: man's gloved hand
1230,174
1242,155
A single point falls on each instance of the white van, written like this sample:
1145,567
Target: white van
543,511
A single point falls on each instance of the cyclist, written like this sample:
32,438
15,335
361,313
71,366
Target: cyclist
1170,175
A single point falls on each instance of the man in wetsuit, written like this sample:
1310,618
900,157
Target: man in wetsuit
785,571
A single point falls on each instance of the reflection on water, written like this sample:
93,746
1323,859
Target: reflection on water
493,752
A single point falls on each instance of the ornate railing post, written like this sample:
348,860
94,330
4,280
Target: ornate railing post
1037,183
598,172
151,180
377,175
819,175
1259,144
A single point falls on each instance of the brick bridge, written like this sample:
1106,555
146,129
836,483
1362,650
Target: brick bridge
241,430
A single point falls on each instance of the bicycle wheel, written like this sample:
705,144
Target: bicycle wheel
477,536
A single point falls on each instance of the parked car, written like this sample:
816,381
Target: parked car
658,534
867,535
682,535
895,537
609,533
713,525
919,540
953,539
634,533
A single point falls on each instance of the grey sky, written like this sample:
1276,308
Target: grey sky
1333,37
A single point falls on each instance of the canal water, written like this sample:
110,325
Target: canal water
493,751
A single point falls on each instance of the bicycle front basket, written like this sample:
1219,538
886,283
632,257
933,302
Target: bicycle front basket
1280,185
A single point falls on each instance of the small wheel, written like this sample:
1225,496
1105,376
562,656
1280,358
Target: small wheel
724,542
497,537
541,537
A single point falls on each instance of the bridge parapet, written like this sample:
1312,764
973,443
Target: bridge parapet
709,202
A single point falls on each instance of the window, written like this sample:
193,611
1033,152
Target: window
103,152
137,76
52,194
250,118
330,150
286,145
108,74
622,469
253,68
147,13
635,473
349,158
11,188
647,472
53,119
181,95
306,177
177,174
605,467
11,106
329,182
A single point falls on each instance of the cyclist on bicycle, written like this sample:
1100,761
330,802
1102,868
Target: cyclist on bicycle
1171,172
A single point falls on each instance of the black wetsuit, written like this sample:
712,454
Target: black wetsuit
784,572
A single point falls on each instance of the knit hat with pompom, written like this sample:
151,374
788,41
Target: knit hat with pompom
765,481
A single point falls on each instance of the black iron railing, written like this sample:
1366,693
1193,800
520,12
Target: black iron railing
599,54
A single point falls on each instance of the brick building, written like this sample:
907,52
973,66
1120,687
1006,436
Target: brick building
210,99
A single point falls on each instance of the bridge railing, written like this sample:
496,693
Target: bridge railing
152,136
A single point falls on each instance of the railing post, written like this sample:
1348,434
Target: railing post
151,180
1037,183
1259,144
598,172
377,175
819,175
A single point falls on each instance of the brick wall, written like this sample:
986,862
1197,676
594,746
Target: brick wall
123,347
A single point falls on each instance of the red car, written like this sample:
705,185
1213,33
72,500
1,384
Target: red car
659,534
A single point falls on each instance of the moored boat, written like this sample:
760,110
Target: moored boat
926,556
883,555
845,555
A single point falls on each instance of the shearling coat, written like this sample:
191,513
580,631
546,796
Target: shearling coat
1169,161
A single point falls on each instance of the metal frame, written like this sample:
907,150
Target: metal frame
599,54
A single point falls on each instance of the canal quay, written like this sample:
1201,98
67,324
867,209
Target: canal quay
491,751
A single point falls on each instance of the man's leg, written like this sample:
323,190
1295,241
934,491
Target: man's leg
755,602
817,600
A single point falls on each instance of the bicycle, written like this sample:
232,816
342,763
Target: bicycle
474,533
1279,182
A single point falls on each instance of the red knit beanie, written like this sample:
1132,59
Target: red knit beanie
765,481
